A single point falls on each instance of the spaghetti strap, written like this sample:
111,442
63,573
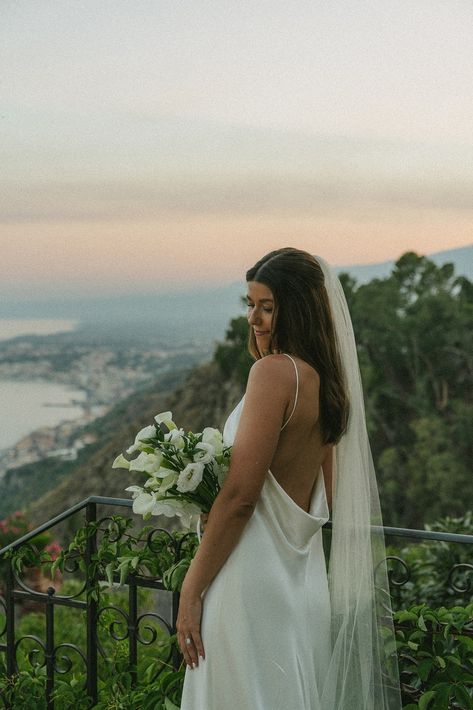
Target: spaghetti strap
297,391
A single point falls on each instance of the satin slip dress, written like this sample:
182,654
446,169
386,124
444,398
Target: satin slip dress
266,615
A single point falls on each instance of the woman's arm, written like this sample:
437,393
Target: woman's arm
266,399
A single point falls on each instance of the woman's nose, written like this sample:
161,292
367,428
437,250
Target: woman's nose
253,317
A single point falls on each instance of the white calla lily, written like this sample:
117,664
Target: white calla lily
166,419
147,463
136,490
153,484
148,432
144,503
168,482
121,462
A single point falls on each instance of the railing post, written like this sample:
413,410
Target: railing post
132,630
91,547
10,620
49,652
176,656
10,624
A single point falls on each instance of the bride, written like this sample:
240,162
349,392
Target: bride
261,625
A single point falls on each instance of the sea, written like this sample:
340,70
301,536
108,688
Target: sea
27,405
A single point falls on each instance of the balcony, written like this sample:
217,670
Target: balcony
97,625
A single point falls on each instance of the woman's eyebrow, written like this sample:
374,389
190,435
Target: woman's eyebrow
261,300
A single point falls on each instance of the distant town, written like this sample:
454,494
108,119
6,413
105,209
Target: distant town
105,373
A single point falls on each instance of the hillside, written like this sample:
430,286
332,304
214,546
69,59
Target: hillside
203,398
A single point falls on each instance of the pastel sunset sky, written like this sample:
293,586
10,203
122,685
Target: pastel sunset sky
163,144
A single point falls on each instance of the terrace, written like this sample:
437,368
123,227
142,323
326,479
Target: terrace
104,621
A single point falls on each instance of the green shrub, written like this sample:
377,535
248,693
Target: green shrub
430,564
435,650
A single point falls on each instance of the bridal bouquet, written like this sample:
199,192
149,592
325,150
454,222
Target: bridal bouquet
185,471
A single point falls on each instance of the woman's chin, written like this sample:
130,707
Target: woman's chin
264,345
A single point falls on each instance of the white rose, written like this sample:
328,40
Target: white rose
214,437
175,437
121,462
190,477
205,454
147,463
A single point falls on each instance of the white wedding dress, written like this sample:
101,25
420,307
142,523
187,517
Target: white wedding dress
266,618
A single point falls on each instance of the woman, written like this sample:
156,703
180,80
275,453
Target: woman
274,634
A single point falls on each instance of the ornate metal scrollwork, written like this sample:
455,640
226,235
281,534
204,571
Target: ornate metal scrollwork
153,638
151,629
3,628
400,564
153,544
33,654
66,660
112,531
464,572
116,623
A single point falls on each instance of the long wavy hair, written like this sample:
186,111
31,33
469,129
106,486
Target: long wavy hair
303,326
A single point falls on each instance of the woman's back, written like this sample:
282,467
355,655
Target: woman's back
300,451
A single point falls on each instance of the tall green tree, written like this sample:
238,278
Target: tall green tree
414,331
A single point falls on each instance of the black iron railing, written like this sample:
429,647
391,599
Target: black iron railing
141,628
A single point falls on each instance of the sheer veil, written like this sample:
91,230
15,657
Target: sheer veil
363,672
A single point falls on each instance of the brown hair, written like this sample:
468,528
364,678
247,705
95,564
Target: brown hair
303,326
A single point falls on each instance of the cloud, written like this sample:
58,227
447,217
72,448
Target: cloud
245,196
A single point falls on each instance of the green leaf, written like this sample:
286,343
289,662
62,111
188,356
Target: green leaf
425,699
454,659
442,699
466,641
405,615
169,705
463,697
441,662
423,669
421,625
109,572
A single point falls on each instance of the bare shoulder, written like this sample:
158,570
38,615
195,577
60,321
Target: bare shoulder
272,369
280,369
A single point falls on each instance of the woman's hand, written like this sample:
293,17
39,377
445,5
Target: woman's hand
188,627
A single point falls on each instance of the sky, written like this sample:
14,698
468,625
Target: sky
161,145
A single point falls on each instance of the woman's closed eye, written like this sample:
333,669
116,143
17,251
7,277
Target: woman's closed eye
266,310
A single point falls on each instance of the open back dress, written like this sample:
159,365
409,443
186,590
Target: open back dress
266,615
